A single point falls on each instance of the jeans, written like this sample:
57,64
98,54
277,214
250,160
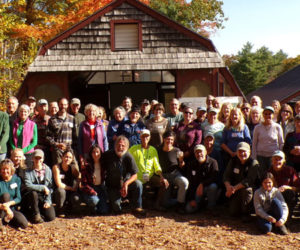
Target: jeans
99,201
61,196
134,195
175,179
275,211
211,192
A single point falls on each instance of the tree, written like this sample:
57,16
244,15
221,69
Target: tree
202,16
254,69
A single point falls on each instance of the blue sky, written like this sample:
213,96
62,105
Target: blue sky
271,23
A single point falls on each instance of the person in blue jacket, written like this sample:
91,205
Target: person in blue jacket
132,127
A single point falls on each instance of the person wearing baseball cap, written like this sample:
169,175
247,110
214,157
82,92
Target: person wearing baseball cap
31,102
75,105
240,178
132,127
202,174
267,138
145,110
286,178
201,115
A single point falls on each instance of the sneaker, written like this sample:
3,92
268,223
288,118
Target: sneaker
283,230
139,211
38,219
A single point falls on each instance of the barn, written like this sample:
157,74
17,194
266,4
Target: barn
127,49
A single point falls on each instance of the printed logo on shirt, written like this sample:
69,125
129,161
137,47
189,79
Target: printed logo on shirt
193,172
236,171
127,126
71,125
62,176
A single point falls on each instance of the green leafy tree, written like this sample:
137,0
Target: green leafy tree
251,69
202,16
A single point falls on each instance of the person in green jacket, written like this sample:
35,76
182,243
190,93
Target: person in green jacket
4,134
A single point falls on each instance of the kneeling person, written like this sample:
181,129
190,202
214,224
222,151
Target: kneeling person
202,173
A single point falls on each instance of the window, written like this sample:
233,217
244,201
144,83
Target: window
126,35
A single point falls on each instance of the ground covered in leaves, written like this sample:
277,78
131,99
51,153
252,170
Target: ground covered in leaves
155,231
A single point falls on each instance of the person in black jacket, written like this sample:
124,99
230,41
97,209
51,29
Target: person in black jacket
202,173
240,177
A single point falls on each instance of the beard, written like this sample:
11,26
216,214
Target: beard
120,153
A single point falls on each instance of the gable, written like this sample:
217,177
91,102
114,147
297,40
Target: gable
163,47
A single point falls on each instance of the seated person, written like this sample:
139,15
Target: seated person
286,179
10,195
92,182
38,182
66,181
202,174
146,159
121,177
171,162
239,178
270,206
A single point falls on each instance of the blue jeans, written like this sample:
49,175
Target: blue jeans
175,179
135,191
275,211
211,192
99,201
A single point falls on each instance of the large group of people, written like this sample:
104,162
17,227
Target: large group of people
243,156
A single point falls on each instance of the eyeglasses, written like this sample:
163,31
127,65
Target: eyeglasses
188,113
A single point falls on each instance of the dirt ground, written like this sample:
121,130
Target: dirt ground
157,230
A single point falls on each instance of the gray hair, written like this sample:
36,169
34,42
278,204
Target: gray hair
89,107
121,109
24,106
13,98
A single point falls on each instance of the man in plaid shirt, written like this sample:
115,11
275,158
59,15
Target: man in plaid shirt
61,132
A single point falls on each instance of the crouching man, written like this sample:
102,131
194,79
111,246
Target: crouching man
121,177
202,174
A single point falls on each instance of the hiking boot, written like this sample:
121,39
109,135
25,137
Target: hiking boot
283,230
38,219
139,211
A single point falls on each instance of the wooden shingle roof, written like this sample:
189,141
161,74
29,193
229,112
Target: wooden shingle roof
86,46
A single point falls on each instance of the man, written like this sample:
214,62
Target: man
61,132
53,108
146,159
145,110
175,116
201,115
11,108
209,101
121,177
41,120
127,104
31,102
74,110
202,173
4,134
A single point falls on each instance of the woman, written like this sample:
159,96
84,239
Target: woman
157,125
24,133
119,115
91,131
286,179
255,119
102,117
246,108
286,119
267,138
18,159
236,131
240,177
10,195
66,180
188,133
38,182
132,128
171,162
214,127
92,182
291,146
270,207
224,114
276,106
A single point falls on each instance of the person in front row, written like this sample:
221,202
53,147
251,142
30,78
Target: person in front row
146,159
10,195
240,177
202,174
270,206
121,177
38,182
